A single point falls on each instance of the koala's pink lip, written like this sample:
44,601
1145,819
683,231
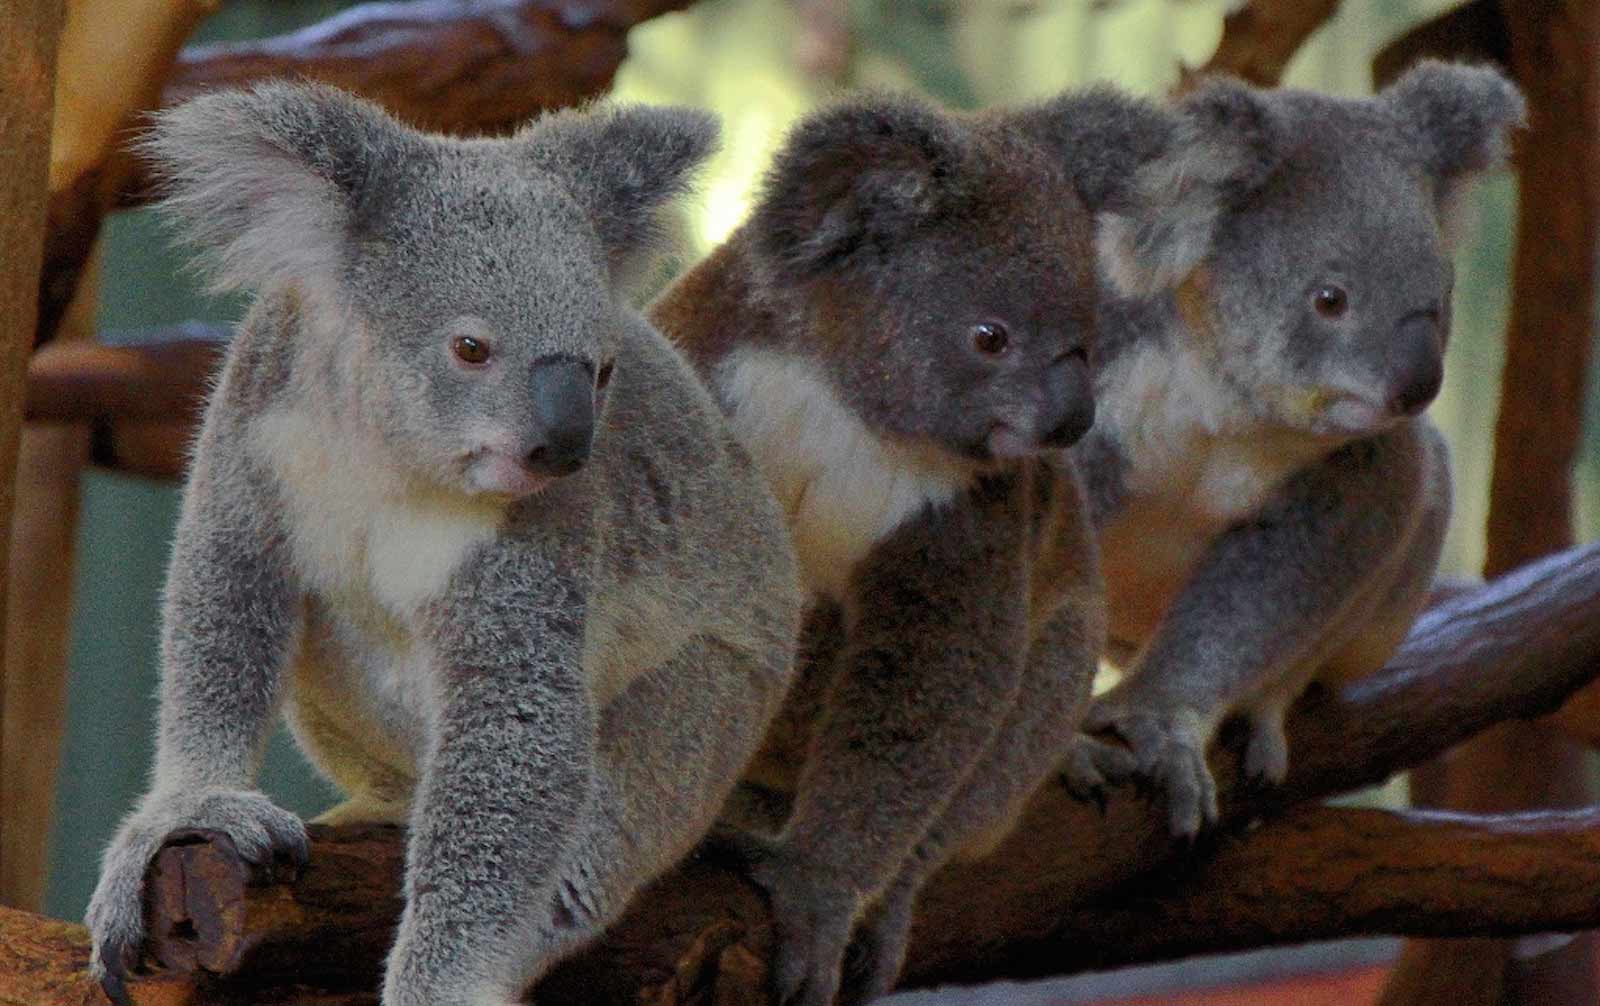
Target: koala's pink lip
1006,444
504,475
1352,415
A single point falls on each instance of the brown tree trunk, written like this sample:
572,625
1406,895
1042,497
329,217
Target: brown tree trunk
29,35
1554,53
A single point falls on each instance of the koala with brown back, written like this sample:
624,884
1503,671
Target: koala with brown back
900,335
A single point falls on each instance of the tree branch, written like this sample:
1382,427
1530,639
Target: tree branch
1260,38
1512,648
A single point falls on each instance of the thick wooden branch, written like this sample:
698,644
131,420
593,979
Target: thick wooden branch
1512,648
1261,37
459,68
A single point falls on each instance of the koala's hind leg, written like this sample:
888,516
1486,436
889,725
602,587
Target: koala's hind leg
1040,732
671,747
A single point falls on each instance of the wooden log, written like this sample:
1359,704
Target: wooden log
29,35
42,962
444,65
1513,648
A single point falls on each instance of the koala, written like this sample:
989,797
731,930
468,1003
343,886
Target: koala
900,335
466,517
1269,499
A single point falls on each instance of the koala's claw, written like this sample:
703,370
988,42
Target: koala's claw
1091,766
1266,756
259,829
812,917
1169,749
876,954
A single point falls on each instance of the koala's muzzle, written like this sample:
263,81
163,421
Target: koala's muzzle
1417,364
563,411
1069,402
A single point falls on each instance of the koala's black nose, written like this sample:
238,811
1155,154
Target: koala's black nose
1418,368
563,408
1070,400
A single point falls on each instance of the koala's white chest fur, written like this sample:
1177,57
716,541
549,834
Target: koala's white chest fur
843,488
1196,465
371,547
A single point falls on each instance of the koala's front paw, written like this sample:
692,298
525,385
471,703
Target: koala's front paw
813,914
260,831
1169,749
1092,765
877,952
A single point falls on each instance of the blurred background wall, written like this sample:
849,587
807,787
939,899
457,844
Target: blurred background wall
754,62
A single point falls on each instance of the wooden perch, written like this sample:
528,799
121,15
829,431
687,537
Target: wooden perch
142,400
1512,648
454,67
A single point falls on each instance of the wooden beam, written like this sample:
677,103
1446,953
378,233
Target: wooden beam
29,35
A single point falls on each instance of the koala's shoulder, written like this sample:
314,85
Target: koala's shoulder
259,365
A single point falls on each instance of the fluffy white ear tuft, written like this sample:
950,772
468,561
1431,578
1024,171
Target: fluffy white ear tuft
268,182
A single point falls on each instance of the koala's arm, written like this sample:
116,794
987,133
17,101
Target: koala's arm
509,777
937,629
229,620
1270,600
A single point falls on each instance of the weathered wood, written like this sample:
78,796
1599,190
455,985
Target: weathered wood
1513,648
1261,37
444,65
42,962
29,35
163,377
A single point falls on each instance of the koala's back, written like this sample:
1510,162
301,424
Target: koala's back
692,540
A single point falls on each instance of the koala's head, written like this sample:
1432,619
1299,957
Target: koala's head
1325,297
458,297
942,267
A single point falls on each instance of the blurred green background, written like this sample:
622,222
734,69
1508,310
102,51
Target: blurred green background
736,57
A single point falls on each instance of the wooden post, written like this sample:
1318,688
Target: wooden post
29,35
1554,53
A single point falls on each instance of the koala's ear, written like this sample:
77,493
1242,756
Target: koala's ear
1158,177
859,175
623,163
1460,117
270,180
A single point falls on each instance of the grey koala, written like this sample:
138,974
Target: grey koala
468,516
1270,502
900,335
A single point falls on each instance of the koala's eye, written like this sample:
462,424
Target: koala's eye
605,375
1331,301
991,338
469,349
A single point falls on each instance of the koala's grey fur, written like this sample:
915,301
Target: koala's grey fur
554,680
1269,501
956,601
